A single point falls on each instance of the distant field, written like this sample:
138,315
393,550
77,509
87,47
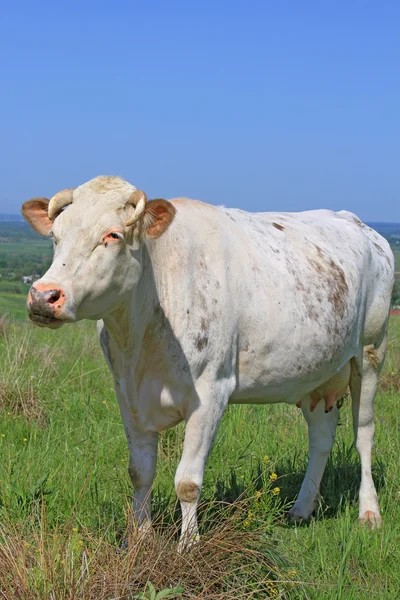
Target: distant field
396,253
21,248
22,252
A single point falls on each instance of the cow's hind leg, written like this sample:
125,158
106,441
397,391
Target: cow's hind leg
321,435
363,386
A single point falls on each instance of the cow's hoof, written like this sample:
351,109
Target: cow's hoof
123,547
371,519
299,513
141,532
186,543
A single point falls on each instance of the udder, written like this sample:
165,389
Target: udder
330,391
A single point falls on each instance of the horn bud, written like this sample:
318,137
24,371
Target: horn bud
138,199
58,202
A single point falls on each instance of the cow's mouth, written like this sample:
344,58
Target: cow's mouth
45,321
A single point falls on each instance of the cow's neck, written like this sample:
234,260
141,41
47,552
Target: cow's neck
127,324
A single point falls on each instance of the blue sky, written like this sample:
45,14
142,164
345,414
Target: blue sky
258,105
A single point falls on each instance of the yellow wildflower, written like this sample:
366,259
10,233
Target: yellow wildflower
273,477
292,574
266,459
25,440
246,523
258,494
74,529
276,491
3,435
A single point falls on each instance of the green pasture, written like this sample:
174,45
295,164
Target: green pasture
64,476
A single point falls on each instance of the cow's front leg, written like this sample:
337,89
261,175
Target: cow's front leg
321,435
142,468
201,426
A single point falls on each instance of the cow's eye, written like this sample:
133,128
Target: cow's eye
113,235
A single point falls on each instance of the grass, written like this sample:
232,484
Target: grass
65,491
13,304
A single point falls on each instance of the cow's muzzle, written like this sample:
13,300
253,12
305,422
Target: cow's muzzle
45,303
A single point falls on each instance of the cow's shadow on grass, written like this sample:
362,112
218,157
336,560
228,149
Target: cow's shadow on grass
340,485
233,495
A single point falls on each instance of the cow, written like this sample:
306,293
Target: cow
200,306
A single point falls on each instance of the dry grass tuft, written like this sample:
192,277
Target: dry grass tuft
390,381
21,399
3,325
21,385
67,564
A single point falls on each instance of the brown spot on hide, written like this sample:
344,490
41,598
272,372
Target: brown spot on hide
371,519
381,251
357,221
371,356
334,280
187,491
278,226
312,313
203,324
378,248
201,341
317,266
338,288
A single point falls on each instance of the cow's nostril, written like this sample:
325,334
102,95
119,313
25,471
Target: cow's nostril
51,296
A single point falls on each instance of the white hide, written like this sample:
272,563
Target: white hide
227,307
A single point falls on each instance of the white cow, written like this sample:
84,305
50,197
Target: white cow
203,306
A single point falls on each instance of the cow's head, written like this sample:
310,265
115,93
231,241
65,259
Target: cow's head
97,231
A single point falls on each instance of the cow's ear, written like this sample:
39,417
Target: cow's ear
35,213
158,215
